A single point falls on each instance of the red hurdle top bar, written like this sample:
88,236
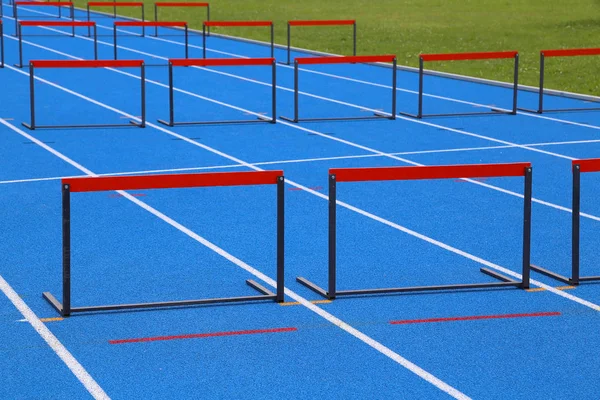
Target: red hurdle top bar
213,62
48,3
86,63
179,4
150,23
56,23
345,59
429,172
588,165
115,4
238,23
99,184
571,52
322,22
469,56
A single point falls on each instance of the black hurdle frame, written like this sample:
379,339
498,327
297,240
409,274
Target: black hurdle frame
206,32
494,111
289,41
1,44
332,292
20,35
115,16
65,308
172,122
540,109
33,126
186,35
575,278
16,18
376,115
156,18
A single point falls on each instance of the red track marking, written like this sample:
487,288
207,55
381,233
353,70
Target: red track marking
172,181
469,56
475,318
202,335
429,172
588,165
345,59
571,52
322,22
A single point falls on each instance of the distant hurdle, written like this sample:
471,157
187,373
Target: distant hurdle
463,57
578,167
342,60
36,64
559,53
144,24
72,24
337,22
177,4
207,24
58,4
424,173
220,62
121,183
114,5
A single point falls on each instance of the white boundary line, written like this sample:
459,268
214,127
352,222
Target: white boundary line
441,385
61,351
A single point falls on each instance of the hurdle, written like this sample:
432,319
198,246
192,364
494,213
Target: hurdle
115,5
425,173
58,4
464,57
34,64
578,167
559,53
331,22
165,4
221,62
207,24
1,43
72,24
143,24
342,60
167,181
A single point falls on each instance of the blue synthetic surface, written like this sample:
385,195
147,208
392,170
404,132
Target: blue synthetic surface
397,233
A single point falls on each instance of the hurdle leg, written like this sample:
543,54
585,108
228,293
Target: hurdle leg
541,99
66,235
420,106
115,42
527,230
280,239
575,224
288,44
515,85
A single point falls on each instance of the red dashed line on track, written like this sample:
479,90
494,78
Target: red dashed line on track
202,335
475,317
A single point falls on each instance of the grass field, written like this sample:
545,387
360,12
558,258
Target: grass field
410,27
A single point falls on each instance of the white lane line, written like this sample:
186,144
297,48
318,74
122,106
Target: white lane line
61,351
365,213
441,385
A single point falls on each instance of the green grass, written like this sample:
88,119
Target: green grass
410,27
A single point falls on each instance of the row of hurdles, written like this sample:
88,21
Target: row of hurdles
336,175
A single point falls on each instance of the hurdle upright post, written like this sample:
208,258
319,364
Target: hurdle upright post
515,85
575,224
526,273
541,99
66,250
32,96
1,44
420,104
280,239
332,238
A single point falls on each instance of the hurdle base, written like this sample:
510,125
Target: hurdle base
266,295
530,110
225,122
564,279
375,116
130,124
561,110
505,282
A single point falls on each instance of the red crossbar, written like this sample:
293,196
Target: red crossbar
56,23
86,63
214,62
429,172
322,22
98,184
179,4
115,4
588,165
48,3
571,52
151,23
238,23
469,56
345,59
